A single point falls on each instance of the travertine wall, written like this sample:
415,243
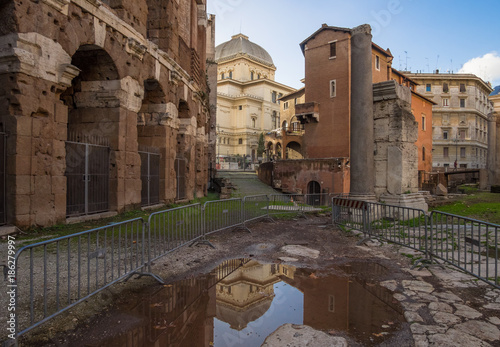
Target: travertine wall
396,157
129,73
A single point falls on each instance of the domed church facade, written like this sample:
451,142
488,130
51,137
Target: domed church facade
247,98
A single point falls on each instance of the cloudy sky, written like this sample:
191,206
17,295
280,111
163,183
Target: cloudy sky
423,35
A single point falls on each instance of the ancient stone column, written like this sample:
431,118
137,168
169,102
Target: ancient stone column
362,140
492,165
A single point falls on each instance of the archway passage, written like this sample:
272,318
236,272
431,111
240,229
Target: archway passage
89,132
294,150
314,193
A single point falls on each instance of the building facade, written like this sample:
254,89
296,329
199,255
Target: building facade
247,97
460,118
104,105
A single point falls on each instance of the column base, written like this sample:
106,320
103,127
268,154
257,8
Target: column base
413,200
363,197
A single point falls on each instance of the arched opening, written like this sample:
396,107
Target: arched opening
293,151
183,153
278,150
152,133
92,136
314,194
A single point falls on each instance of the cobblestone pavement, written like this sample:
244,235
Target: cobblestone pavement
246,183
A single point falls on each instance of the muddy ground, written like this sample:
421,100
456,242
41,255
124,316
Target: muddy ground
80,326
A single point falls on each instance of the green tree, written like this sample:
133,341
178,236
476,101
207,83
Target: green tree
260,147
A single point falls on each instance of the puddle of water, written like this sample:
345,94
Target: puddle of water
242,301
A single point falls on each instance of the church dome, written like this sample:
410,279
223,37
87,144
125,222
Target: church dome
239,45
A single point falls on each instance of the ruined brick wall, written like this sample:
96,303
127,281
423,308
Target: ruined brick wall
396,157
294,176
87,68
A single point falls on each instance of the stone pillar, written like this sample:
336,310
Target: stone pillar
362,145
492,164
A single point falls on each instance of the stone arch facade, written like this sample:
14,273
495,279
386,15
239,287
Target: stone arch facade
98,69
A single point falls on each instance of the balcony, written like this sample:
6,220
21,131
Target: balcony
307,112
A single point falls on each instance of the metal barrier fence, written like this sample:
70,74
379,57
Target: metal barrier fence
72,268
255,207
467,244
222,214
171,229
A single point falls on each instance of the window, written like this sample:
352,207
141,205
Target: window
223,75
446,89
423,153
428,87
445,135
273,97
285,105
446,102
462,103
230,74
251,76
240,141
462,134
377,62
240,107
333,49
462,87
274,119
333,89
253,122
446,165
445,152
258,76
295,101
462,152
423,122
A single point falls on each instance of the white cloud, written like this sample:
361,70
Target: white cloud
487,67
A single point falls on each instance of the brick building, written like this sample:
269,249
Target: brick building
104,105
355,102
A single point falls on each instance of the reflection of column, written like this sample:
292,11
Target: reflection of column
492,163
362,145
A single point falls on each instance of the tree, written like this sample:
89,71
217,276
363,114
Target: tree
260,147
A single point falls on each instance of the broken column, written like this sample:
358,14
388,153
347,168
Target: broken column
362,146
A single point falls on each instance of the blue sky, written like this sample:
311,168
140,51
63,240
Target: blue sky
423,35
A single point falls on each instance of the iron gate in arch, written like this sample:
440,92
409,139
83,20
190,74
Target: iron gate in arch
180,171
150,177
87,174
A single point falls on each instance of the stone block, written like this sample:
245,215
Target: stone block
22,185
23,146
60,113
23,126
58,184
22,205
441,190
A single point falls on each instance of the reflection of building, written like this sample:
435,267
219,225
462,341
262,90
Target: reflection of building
246,294
460,118
247,96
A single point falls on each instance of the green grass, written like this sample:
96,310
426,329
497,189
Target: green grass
67,229
482,206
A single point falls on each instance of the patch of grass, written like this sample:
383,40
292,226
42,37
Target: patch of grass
481,206
59,230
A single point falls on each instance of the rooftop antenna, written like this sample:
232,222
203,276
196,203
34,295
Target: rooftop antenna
437,61
406,64
428,68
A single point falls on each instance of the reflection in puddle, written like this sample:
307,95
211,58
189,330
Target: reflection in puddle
242,301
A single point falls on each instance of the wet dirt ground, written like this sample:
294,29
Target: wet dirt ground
103,317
